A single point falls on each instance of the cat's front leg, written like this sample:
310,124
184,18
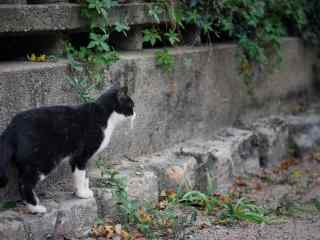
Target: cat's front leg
81,184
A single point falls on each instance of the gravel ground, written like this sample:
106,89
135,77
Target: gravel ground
295,229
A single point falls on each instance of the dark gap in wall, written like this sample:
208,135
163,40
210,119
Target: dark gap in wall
46,1
79,39
19,47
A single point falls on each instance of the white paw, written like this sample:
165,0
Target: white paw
84,193
36,208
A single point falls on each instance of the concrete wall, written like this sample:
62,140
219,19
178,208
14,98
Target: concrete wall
202,94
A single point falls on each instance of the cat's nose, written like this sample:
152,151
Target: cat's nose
133,117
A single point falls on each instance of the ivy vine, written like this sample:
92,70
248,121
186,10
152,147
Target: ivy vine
256,25
88,62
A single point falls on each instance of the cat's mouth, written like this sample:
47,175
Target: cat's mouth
133,117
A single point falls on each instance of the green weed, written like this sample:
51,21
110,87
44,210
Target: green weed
5,205
147,218
165,60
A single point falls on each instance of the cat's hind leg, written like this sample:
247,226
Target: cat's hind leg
26,187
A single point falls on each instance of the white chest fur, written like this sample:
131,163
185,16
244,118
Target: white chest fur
114,120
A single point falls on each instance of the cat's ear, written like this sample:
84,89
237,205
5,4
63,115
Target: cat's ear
123,92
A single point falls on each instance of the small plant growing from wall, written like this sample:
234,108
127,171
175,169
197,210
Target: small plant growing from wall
88,62
165,60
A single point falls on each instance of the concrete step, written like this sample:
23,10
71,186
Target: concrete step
26,18
213,164
67,217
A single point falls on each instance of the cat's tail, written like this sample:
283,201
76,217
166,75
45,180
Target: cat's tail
6,154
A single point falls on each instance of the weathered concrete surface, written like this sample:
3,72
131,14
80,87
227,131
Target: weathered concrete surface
64,16
305,131
67,217
11,226
272,138
201,95
213,94
142,185
233,152
173,171
13,1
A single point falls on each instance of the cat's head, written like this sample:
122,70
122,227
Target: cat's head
116,99
124,103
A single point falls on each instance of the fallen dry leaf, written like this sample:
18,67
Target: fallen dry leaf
203,226
103,231
162,204
144,217
40,58
286,164
240,182
125,235
225,199
171,194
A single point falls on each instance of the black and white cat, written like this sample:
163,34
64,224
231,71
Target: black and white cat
37,140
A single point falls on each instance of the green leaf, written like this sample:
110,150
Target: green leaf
172,37
7,205
151,36
122,27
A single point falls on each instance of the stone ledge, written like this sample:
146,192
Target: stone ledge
63,17
67,217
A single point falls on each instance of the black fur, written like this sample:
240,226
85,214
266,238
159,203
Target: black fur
37,140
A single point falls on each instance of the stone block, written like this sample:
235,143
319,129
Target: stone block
232,152
77,216
142,186
204,172
273,136
11,226
173,171
67,216
106,205
61,17
304,131
46,1
13,1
